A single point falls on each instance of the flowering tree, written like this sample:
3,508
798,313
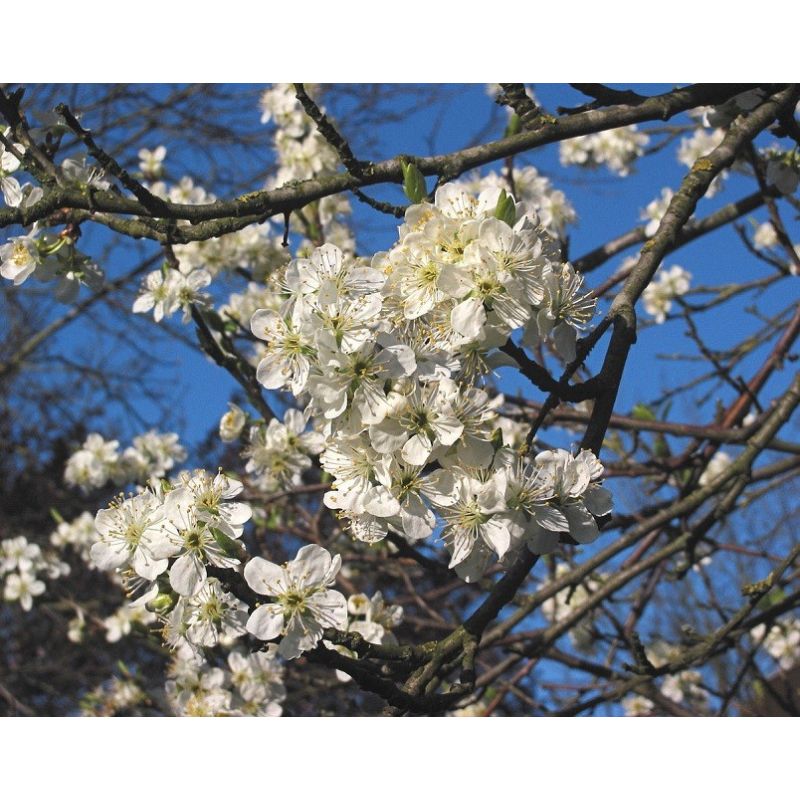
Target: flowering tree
428,495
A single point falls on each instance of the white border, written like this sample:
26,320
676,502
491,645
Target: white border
407,41
397,758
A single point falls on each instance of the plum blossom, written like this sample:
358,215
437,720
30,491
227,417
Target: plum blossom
659,294
304,605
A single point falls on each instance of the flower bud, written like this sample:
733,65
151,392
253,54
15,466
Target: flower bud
414,183
506,209
161,603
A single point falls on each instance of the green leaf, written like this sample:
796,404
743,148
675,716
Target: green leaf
643,412
229,546
274,520
414,183
506,209
773,598
660,446
514,125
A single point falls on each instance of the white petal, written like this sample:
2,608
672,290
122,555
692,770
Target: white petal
272,372
468,317
598,500
495,533
582,527
311,565
550,518
418,521
462,542
264,577
236,513
381,503
564,337
388,437
540,540
417,449
266,622
187,575
448,429
107,558
146,565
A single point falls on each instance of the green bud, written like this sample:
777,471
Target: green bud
773,598
660,447
497,439
414,183
514,125
56,516
506,208
274,520
161,603
643,412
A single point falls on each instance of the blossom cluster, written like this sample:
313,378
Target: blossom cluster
121,623
717,464
617,149
192,522
242,305
533,192
245,684
655,211
386,356
38,253
660,292
302,153
781,641
48,258
115,697
373,619
683,688
304,604
151,455
163,542
699,145
79,535
765,236
279,452
167,290
562,604
22,566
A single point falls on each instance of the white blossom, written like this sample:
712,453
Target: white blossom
232,423
304,605
659,293
617,149
718,463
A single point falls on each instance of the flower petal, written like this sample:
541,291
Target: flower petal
266,622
